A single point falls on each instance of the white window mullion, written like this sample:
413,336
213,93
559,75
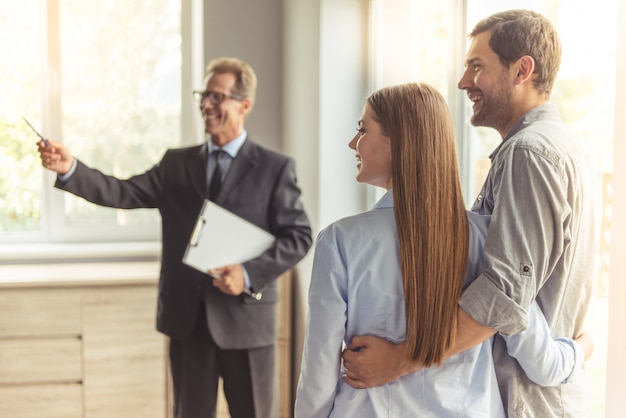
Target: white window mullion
52,219
192,33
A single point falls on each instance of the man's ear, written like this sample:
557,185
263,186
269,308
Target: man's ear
525,67
247,105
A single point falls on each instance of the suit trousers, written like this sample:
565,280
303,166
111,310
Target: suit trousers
249,377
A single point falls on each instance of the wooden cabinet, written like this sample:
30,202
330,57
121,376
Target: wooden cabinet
79,341
75,342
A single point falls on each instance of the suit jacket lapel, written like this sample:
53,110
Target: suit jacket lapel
197,170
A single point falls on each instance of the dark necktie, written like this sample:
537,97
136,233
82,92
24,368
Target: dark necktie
216,178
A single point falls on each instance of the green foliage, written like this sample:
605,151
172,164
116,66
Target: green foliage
20,182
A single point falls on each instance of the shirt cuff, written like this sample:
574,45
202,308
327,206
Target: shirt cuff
579,358
65,177
246,277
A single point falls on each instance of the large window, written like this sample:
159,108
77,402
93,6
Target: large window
105,78
426,41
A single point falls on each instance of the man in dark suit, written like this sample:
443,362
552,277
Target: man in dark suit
216,326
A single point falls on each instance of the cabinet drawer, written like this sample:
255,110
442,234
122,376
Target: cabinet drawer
123,354
39,312
45,401
43,360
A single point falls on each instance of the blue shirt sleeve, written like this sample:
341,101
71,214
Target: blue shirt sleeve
323,343
246,277
546,361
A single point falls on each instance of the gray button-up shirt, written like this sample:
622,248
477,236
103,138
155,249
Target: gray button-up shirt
542,243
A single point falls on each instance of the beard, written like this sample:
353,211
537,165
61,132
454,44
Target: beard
495,109
493,113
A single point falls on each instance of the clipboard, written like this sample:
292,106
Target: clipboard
221,238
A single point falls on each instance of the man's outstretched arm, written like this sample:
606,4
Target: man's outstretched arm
372,361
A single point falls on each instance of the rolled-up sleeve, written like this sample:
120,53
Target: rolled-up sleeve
487,304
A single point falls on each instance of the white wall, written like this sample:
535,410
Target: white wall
253,32
302,132
325,85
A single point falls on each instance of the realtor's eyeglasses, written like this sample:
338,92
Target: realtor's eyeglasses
214,97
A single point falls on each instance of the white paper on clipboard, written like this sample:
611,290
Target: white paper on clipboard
221,238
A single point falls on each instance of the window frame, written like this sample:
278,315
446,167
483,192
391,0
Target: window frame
57,240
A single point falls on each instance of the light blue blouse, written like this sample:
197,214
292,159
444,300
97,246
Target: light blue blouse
356,289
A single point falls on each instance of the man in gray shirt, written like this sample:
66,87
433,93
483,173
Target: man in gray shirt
542,242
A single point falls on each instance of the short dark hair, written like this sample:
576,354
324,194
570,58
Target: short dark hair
515,33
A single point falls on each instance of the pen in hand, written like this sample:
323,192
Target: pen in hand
45,141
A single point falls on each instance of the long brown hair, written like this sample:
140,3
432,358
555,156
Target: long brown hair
430,213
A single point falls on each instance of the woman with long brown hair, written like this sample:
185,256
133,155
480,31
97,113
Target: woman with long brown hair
398,270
